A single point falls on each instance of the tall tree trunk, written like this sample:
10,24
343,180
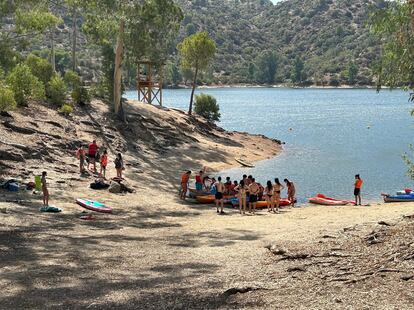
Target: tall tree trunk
74,35
52,48
119,52
190,109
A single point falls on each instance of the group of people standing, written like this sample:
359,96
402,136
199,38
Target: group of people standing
92,155
249,192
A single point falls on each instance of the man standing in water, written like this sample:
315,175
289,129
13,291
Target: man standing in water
357,189
219,195
253,191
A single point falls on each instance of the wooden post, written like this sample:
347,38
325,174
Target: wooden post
149,83
161,82
138,78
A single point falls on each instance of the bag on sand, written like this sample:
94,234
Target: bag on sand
115,188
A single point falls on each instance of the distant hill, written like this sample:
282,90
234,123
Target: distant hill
330,37
323,42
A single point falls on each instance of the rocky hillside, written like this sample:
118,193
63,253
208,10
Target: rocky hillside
156,142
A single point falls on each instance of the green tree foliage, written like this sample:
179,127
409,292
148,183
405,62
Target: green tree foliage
80,95
395,25
7,101
173,74
57,90
266,68
196,53
41,68
141,29
352,73
72,79
25,85
207,107
298,73
323,33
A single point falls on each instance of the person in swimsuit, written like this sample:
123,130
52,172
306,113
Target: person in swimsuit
92,150
268,194
253,191
104,163
119,165
241,191
199,180
277,188
45,190
357,189
219,195
184,184
233,188
80,154
291,191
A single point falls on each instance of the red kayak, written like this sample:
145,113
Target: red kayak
328,201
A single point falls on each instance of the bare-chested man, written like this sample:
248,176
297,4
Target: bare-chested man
219,195
253,191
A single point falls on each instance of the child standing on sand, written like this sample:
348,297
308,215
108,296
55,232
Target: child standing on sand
119,165
104,163
45,190
80,154
184,184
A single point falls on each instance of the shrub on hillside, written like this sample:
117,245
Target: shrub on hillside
72,79
207,107
41,68
25,85
57,90
66,109
7,102
80,95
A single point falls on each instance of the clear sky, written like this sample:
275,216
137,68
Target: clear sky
275,1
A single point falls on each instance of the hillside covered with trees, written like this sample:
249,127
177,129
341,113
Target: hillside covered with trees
324,42
296,42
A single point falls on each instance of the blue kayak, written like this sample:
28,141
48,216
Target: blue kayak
399,198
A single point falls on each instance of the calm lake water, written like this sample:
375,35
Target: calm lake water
335,134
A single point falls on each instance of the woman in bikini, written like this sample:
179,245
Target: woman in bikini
268,194
277,188
241,194
291,191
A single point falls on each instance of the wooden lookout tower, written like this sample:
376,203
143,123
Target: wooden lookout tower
149,82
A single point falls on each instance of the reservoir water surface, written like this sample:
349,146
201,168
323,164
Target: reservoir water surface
330,135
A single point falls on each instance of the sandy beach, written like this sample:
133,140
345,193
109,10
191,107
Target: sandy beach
157,252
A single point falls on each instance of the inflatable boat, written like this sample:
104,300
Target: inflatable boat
321,199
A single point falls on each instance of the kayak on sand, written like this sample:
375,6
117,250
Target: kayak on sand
398,198
93,205
321,199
